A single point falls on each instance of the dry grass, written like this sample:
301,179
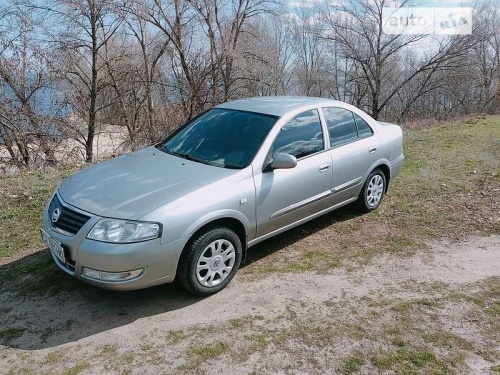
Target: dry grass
449,188
373,335
22,200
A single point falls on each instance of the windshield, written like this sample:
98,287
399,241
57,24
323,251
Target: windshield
221,137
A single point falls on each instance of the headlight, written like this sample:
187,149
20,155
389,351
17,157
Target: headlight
124,231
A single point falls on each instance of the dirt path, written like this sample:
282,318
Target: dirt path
438,309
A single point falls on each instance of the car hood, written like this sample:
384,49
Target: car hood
131,185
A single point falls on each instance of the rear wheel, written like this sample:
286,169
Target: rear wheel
373,191
210,261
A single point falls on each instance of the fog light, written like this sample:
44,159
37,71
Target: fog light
111,276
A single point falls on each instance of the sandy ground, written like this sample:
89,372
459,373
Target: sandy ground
164,330
109,141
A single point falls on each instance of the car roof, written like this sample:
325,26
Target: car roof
275,105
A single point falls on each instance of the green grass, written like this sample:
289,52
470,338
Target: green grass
53,357
487,299
258,342
446,189
443,165
406,347
408,305
443,339
206,352
397,336
22,371
353,364
146,347
37,274
404,361
128,358
175,337
309,260
109,350
77,369
9,334
46,334
22,200
198,353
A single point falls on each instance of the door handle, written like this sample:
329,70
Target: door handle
324,167
372,149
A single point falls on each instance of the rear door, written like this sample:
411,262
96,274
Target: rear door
353,148
285,196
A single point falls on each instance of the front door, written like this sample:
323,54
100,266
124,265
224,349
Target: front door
285,196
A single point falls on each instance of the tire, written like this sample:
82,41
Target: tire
210,261
373,191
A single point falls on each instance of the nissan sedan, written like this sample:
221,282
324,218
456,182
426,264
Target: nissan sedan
191,206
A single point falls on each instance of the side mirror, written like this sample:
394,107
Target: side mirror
283,161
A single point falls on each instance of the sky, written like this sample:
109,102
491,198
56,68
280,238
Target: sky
422,3
310,3
442,3
419,3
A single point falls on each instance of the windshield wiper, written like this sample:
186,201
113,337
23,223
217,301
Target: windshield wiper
230,166
186,156
192,158
175,153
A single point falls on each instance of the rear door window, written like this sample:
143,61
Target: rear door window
341,125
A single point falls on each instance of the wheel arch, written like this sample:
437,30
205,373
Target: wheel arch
386,170
236,225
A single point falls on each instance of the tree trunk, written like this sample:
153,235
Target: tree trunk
89,143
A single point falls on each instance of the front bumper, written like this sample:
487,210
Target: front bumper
158,260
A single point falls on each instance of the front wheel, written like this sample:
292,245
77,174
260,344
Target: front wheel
210,261
373,191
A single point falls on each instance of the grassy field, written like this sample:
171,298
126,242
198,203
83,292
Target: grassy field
449,190
22,200
449,187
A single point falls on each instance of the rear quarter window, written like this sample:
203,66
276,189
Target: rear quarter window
364,130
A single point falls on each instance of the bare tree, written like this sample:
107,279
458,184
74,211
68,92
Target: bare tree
90,24
173,18
149,65
224,22
310,54
25,81
268,57
205,38
357,27
152,49
486,56
124,94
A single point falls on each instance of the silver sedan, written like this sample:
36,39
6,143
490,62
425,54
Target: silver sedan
191,206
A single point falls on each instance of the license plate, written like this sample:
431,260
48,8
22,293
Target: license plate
54,246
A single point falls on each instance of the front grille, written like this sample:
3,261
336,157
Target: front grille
69,221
